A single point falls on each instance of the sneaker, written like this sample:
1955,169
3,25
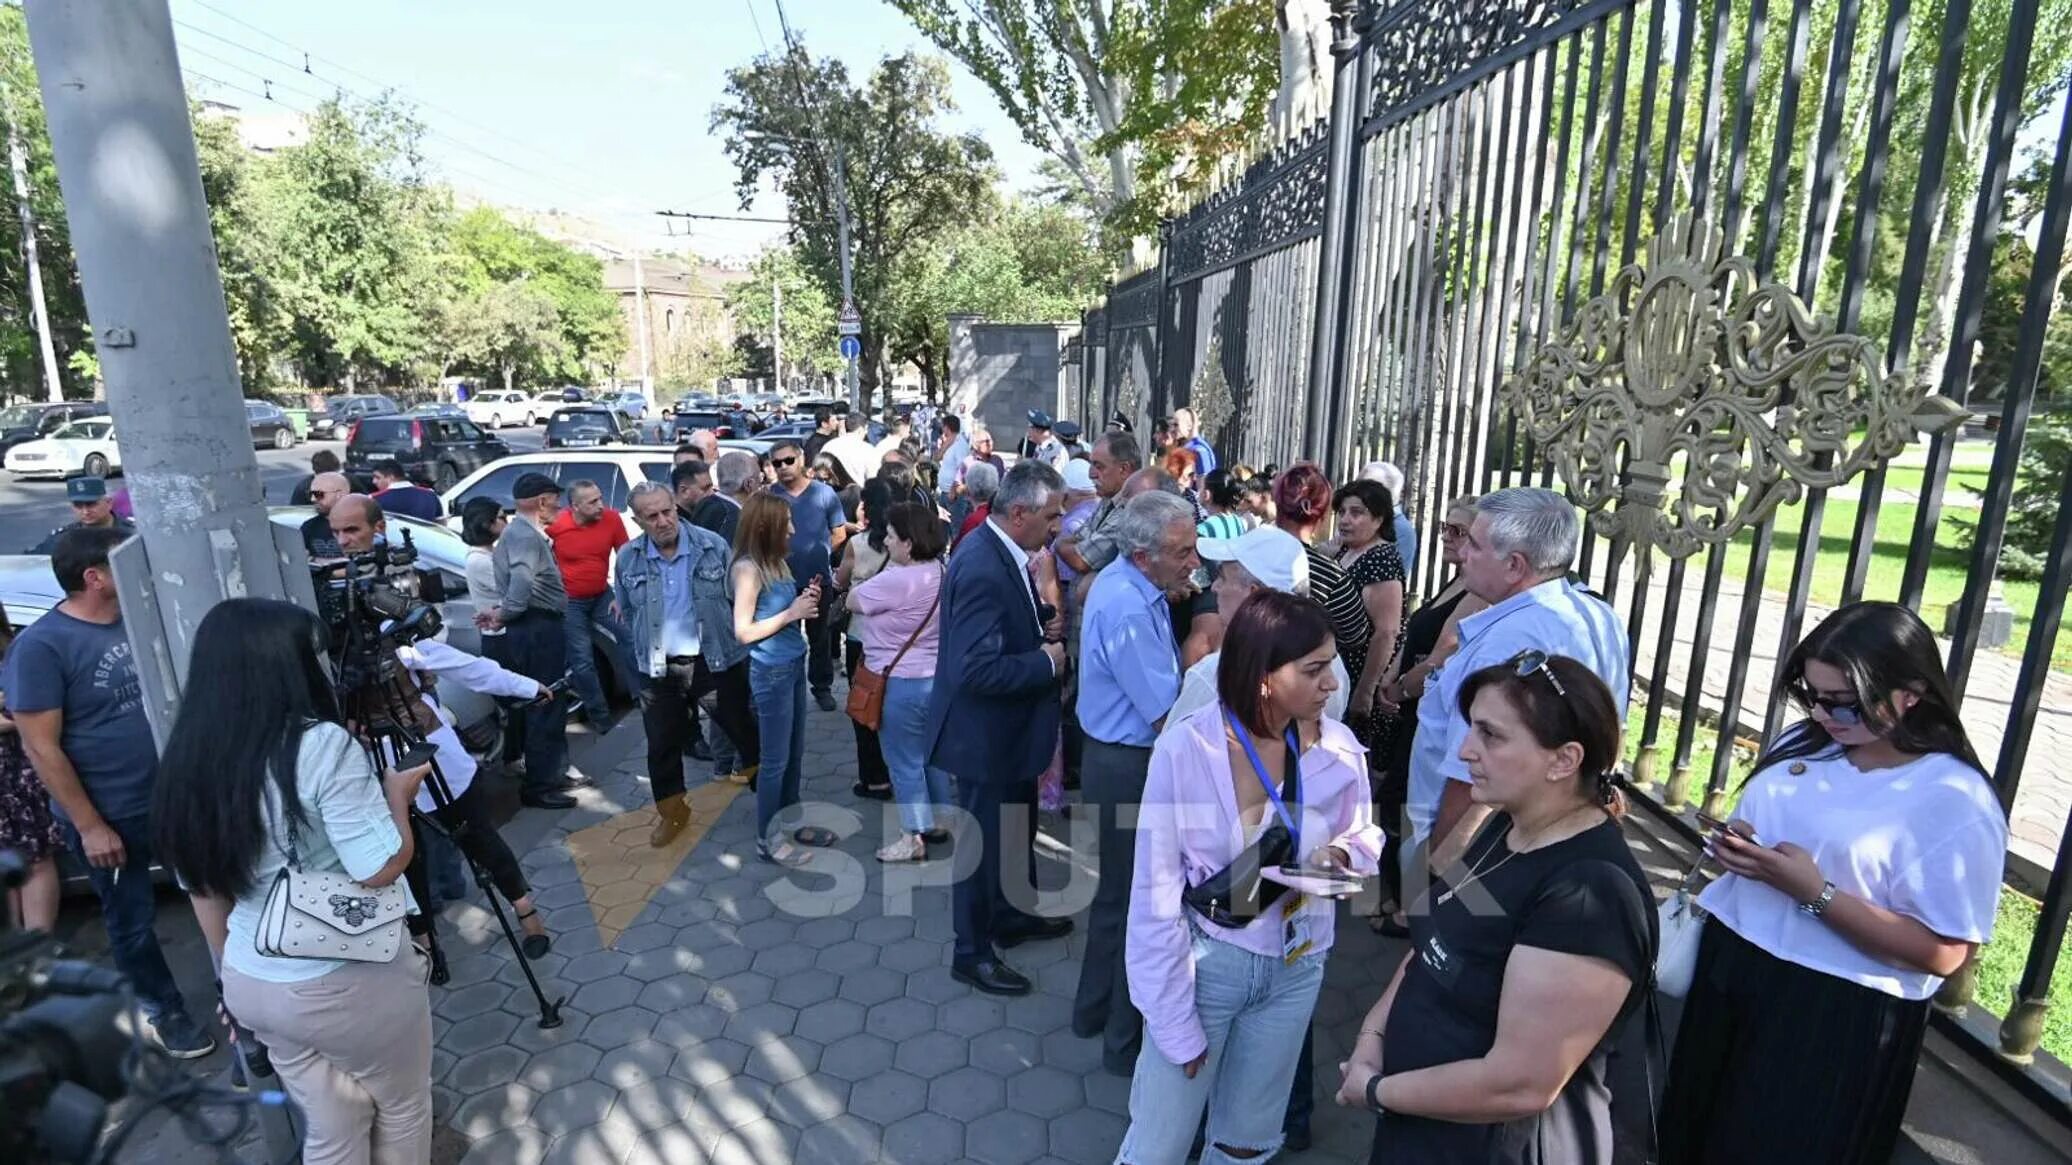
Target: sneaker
908,848
744,776
181,1037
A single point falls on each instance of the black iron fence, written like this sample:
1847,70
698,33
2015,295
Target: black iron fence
1733,273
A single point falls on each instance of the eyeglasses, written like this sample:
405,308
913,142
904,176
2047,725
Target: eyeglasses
1533,661
1846,712
783,461
1453,530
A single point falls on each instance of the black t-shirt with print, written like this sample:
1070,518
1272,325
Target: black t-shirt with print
1585,895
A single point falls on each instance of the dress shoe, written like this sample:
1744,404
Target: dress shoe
991,977
547,799
1032,931
825,699
670,818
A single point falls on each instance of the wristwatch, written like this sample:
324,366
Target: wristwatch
1374,1093
1818,906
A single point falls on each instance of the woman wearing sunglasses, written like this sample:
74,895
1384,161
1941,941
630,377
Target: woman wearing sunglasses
1491,1043
1863,866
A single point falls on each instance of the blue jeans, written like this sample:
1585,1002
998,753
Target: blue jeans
779,692
583,614
129,908
1254,1010
902,735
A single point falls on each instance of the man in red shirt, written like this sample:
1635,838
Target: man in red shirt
585,537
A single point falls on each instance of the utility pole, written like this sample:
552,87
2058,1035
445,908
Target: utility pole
640,311
777,335
839,187
39,314
110,77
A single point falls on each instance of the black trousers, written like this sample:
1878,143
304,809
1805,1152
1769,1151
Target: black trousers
820,653
466,820
1111,781
538,650
979,901
870,756
665,713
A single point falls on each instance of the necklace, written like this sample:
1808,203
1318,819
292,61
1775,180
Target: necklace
1477,871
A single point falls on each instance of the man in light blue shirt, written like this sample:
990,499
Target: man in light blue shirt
1516,558
1129,676
1391,479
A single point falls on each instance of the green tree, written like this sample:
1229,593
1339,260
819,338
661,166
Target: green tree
786,117
510,326
808,323
70,334
490,251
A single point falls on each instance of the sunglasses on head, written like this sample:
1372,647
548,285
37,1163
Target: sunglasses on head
1533,661
1846,712
781,461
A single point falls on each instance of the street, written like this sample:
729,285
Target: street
30,509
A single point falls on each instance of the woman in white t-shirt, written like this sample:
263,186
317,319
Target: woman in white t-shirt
1863,867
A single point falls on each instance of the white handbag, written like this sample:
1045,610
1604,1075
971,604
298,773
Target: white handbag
313,914
1676,957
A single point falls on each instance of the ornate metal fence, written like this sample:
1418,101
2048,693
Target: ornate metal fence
1732,273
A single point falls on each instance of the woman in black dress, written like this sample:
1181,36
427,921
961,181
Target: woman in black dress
26,824
1524,969
1367,549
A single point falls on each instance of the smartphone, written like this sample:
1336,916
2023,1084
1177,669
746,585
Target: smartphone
1715,825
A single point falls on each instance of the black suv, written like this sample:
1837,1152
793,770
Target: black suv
341,411
19,423
436,450
586,425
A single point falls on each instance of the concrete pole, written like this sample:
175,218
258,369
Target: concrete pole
39,314
640,311
777,335
147,264
848,273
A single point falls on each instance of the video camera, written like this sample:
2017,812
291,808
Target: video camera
64,1051
373,605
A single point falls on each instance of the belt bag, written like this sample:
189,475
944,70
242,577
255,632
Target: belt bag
1235,895
324,915
867,688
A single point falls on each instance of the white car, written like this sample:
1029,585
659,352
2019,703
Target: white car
85,446
615,468
498,408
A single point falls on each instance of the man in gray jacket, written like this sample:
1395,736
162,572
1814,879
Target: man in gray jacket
534,605
673,593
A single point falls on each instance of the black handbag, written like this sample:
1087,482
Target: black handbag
1234,896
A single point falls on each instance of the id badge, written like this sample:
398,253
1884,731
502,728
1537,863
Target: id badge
1295,939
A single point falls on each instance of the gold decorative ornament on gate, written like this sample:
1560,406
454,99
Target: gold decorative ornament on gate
1699,400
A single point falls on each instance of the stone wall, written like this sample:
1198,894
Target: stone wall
998,372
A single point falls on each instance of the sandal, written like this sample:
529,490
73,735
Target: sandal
784,855
534,945
814,836
908,848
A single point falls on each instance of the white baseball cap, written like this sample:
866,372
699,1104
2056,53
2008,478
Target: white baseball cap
1272,555
1079,475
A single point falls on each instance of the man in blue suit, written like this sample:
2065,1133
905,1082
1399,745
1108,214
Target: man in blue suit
993,719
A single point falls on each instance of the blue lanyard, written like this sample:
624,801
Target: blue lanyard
1266,782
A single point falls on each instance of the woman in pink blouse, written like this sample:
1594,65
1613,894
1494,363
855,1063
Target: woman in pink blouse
899,640
1225,964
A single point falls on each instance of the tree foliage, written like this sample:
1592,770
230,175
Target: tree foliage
808,324
795,119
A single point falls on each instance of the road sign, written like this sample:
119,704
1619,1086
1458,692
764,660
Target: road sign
850,347
850,321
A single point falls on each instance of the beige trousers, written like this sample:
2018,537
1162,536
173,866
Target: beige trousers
354,1050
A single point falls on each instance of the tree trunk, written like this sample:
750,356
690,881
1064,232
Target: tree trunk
508,371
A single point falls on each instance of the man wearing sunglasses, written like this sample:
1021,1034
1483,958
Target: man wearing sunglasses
818,529
1516,558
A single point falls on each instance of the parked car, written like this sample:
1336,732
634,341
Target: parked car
569,394
270,426
438,450
797,430
722,422
437,408
500,407
590,425
615,469
24,422
84,446
341,411
632,402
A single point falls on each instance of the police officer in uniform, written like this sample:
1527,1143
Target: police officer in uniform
91,508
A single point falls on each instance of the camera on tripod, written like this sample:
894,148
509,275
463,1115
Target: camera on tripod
373,603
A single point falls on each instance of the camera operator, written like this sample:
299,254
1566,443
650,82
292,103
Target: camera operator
532,611
259,763
359,524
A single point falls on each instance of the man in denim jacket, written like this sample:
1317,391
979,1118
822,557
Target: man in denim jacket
673,594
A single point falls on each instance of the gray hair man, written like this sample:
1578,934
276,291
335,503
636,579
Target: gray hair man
1391,479
1517,558
1129,676
1265,558
1114,458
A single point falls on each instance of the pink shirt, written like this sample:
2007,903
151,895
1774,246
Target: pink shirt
896,599
1188,829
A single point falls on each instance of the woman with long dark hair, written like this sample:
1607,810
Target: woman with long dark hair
862,559
769,613
26,824
1491,1044
1863,867
259,763
1366,548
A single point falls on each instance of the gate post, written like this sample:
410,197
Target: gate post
1338,430
1324,376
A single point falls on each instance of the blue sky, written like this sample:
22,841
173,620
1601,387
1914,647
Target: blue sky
597,108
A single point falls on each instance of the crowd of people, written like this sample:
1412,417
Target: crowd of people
1230,668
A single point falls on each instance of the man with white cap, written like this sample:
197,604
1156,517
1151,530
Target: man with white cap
1262,559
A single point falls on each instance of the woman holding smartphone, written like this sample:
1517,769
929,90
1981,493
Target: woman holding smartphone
769,610
1863,866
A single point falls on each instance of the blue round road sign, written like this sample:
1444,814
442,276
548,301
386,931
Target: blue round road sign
850,347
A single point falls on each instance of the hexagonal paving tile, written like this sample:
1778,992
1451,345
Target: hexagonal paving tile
829,1020
825,932
729,1104
659,963
719,961
741,990
658,1103
633,1064
1045,1091
578,1105
934,985
1006,1138
1087,1137
666,994
1005,1051
856,1058
617,1028
647,936
888,1096
924,1138
768,933
508,1107
595,965
478,1033
473,999
848,955
786,958
1062,1049
966,1093
687,1027
899,1019
755,1143
912,954
873,985
933,1053
560,1067
763,1019
777,1059
508,1147
709,1061
809,1100
601,995
845,1138
534,1038
489,1068
806,987
970,1015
